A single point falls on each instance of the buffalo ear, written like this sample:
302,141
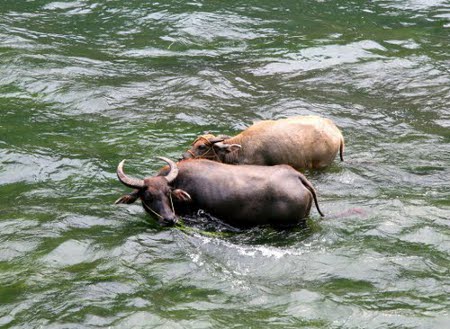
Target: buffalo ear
227,147
128,198
181,195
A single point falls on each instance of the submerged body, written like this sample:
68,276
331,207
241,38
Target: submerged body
303,142
242,196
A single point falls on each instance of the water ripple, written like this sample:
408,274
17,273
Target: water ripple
85,84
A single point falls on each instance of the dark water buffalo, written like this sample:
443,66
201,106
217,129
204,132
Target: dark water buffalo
242,196
302,142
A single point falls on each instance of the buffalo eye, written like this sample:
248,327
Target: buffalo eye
202,147
148,196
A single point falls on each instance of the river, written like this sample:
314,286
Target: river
87,83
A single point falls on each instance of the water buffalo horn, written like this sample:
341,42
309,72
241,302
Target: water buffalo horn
173,173
216,140
128,181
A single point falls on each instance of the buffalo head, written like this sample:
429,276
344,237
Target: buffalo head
210,147
156,193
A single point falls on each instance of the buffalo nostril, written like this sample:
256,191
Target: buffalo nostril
170,221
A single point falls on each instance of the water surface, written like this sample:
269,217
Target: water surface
87,83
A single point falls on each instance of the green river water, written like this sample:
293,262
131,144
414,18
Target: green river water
87,83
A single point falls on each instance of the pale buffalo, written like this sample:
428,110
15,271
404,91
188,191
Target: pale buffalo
303,142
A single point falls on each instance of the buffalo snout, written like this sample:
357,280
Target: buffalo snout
168,221
186,155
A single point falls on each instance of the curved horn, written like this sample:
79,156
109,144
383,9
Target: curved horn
128,181
173,173
216,140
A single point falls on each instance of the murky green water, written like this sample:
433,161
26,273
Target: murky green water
87,83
